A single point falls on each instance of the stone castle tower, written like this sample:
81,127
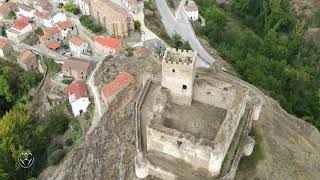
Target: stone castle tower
178,71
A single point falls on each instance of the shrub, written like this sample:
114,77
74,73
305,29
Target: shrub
76,132
67,81
68,142
54,147
58,122
76,10
56,157
39,31
137,25
12,15
89,23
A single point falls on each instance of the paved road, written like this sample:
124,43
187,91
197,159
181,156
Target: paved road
182,25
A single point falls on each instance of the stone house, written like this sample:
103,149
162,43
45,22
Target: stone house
19,30
27,60
191,10
77,45
77,68
113,18
51,34
107,46
5,48
67,28
78,97
109,91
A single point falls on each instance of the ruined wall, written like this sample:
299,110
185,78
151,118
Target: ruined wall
178,71
179,145
228,128
219,95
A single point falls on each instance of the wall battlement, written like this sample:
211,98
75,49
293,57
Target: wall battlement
179,57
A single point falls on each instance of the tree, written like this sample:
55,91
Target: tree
137,25
12,15
186,46
76,10
69,6
31,79
57,122
5,89
39,31
56,157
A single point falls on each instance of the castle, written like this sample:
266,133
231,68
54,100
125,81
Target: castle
187,123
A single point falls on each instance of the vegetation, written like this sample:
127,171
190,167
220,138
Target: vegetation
130,51
67,81
57,122
12,15
69,142
137,25
264,41
52,66
88,22
56,157
250,163
179,43
39,31
70,7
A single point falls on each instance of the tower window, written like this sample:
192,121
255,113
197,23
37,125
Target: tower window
184,86
173,70
179,143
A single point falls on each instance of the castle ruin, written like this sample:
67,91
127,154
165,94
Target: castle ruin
187,122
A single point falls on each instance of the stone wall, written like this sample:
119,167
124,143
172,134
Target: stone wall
178,71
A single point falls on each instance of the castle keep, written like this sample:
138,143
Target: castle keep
187,121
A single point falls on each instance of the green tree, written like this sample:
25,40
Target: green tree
5,89
12,15
137,25
69,6
56,157
76,10
39,31
57,122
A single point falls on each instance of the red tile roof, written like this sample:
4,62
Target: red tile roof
122,80
20,24
140,52
53,45
77,64
78,89
3,43
25,56
76,40
191,6
26,19
64,24
108,42
49,32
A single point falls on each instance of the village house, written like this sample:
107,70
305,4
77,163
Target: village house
51,34
5,48
78,97
77,45
41,6
19,30
110,90
26,11
51,19
107,46
115,19
191,10
132,5
85,6
54,45
5,9
67,28
27,60
77,68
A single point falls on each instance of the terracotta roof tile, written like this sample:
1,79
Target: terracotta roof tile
191,6
77,64
122,80
20,24
25,56
3,43
53,45
108,42
65,24
111,10
78,89
76,40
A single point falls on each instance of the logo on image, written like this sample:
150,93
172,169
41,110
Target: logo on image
26,159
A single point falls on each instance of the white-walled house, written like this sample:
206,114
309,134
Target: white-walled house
78,97
77,45
191,10
67,28
26,11
19,30
50,21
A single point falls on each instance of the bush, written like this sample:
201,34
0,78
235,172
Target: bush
67,81
76,11
12,15
58,122
39,31
68,142
130,51
89,23
54,147
56,157
76,132
137,25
